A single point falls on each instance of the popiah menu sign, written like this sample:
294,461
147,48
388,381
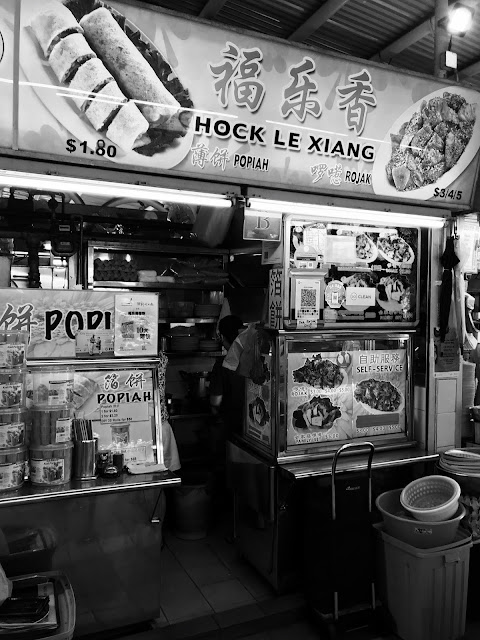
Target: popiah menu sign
123,85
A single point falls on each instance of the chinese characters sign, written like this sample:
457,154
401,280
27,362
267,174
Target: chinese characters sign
120,404
77,324
245,109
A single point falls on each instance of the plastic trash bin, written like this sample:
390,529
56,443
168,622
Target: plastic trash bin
192,507
425,590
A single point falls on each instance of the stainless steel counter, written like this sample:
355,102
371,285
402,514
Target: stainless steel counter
76,488
105,535
356,462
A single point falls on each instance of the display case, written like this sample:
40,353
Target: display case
324,389
189,281
347,274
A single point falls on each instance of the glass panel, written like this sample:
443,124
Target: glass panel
340,390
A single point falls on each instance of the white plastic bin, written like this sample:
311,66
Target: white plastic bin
425,590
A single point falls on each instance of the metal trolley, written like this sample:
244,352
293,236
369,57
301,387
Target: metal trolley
340,587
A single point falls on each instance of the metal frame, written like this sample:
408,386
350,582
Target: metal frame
136,246
295,453
119,363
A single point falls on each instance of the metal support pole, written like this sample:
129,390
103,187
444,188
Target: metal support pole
442,37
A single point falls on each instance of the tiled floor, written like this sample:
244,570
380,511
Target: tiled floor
212,579
208,591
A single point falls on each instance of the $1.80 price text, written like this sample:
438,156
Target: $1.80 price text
101,149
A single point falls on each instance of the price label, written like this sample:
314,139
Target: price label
448,194
101,149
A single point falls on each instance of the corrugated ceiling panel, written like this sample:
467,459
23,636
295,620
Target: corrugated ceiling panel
360,28
350,40
190,7
383,20
252,18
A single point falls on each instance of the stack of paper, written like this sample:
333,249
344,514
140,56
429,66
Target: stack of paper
47,623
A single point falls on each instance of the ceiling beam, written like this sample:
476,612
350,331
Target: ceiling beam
400,44
472,70
211,8
315,21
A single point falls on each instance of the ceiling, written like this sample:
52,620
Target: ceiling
396,32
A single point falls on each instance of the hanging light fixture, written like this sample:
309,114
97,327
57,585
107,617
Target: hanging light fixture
458,20
47,183
343,214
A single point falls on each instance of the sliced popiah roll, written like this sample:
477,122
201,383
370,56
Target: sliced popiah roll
91,76
128,66
127,126
52,23
104,104
68,54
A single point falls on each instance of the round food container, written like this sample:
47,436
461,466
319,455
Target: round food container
51,425
12,467
12,428
52,386
13,348
51,464
12,388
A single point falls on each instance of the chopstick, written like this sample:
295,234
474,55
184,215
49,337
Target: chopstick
82,429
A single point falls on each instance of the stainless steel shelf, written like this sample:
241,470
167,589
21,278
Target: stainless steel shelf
355,462
196,354
153,286
76,488
188,320
133,245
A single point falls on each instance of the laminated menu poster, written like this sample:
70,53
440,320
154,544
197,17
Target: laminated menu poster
52,319
136,324
319,403
259,407
120,403
379,386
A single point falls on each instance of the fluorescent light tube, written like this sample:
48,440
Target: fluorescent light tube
321,212
82,186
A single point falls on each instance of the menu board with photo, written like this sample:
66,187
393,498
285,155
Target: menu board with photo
259,408
319,397
120,404
369,273
379,386
345,394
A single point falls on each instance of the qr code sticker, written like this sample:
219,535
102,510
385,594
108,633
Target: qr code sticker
308,300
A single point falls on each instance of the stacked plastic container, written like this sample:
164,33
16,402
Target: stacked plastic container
422,569
13,450
51,415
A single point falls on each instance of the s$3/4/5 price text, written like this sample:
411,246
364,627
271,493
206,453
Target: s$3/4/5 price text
450,194
101,149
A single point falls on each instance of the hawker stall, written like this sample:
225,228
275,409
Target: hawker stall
343,188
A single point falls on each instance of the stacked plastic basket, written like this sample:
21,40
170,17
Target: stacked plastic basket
423,559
